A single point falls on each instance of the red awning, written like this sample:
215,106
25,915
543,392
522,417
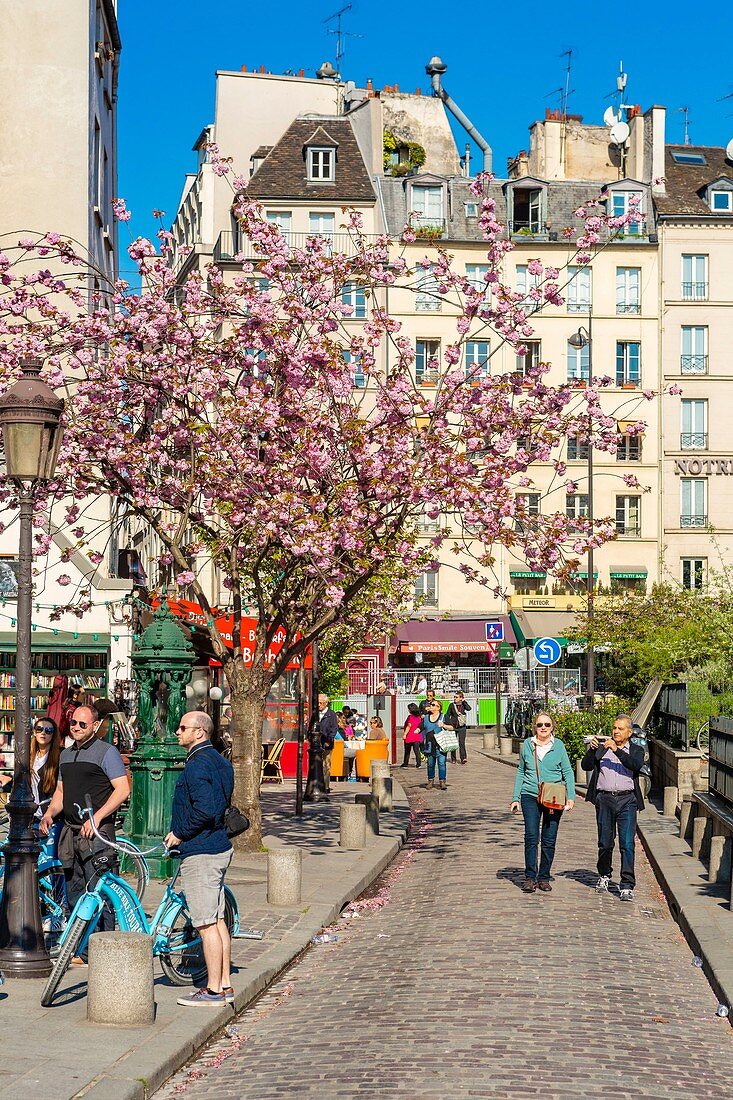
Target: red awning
449,635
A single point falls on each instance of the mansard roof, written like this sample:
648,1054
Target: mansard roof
283,173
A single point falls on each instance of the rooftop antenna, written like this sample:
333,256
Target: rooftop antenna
567,92
340,33
686,112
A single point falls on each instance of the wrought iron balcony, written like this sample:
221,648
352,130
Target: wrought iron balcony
693,521
230,245
628,307
693,441
694,292
693,364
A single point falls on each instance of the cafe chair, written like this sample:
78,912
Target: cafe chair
271,763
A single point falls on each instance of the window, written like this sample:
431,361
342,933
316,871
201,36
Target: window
628,290
529,502
477,358
627,582
471,209
578,290
321,225
427,298
427,357
353,294
624,203
475,273
526,284
427,203
533,357
694,278
721,202
578,363
576,505
688,158
694,434
426,589
693,572
629,448
282,219
358,370
693,492
526,203
628,363
628,516
321,164
577,451
694,358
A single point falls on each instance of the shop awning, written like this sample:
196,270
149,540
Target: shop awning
629,574
527,574
583,576
543,624
65,639
449,635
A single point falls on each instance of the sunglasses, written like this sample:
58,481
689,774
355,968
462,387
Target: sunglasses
81,725
539,725
44,729
189,727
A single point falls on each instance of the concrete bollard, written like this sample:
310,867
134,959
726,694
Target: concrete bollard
671,795
720,856
381,768
489,740
701,830
505,746
284,875
120,987
687,816
352,820
372,811
382,792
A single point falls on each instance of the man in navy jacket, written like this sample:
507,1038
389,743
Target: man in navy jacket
202,794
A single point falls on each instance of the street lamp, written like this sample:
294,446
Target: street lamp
581,339
30,415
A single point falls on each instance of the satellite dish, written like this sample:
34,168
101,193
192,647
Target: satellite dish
611,117
729,150
619,133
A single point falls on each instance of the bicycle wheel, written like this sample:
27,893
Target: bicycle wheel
183,961
69,948
703,738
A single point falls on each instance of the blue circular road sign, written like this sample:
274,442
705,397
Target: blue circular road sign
547,651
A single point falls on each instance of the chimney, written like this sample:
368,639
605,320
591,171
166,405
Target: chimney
244,68
262,68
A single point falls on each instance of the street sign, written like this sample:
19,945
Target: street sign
525,660
495,632
547,651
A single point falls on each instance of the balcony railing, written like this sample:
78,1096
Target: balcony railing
693,441
629,532
693,364
693,521
579,305
694,292
628,307
229,245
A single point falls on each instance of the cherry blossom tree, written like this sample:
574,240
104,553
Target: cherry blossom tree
222,412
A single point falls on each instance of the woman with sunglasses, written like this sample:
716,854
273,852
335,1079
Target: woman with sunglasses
45,753
543,759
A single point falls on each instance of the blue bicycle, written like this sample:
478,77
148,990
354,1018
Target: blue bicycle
175,940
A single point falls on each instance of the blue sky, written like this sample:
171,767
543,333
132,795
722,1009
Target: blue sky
503,70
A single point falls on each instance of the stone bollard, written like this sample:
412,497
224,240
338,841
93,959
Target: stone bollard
284,874
720,858
505,746
352,819
671,795
382,792
687,816
701,829
490,740
120,987
380,768
372,811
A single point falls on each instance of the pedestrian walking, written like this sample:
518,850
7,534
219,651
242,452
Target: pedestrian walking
201,797
456,717
432,724
615,792
327,728
427,702
412,735
543,759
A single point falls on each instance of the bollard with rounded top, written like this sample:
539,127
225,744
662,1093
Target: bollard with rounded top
505,746
687,816
581,775
671,795
382,791
372,811
719,866
120,979
701,829
352,819
380,768
284,873
490,740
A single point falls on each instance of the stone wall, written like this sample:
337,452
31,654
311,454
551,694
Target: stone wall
673,768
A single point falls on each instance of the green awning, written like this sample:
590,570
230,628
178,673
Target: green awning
631,574
527,574
43,639
583,576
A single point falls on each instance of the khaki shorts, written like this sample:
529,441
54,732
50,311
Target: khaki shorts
202,878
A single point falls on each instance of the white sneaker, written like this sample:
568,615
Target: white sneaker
627,895
603,883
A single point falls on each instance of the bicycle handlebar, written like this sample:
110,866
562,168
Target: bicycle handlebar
120,846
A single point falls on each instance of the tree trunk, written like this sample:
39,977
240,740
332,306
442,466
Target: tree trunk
249,688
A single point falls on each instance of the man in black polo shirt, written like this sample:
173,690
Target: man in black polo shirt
90,767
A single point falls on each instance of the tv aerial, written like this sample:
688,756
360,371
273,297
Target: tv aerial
613,116
340,34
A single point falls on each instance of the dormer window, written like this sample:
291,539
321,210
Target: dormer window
526,206
321,164
721,202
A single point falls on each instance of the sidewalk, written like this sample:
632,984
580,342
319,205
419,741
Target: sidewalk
55,1053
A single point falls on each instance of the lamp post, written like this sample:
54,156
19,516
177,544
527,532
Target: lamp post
581,339
30,415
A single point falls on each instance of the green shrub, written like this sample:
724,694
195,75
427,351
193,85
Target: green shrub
572,727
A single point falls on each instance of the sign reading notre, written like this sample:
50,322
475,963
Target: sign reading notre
694,467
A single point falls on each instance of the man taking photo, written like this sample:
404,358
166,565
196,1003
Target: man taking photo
614,791
200,800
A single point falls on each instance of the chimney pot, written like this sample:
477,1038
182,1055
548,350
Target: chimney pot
397,87
369,84
301,72
262,68
244,68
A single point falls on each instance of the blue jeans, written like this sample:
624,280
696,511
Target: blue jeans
534,816
616,813
441,758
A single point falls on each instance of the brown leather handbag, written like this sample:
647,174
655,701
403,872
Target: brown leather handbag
552,796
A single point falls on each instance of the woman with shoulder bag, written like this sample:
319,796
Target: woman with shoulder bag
456,716
544,789
431,724
412,735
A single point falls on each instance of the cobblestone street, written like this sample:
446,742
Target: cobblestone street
461,986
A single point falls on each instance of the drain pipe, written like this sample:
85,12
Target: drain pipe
435,69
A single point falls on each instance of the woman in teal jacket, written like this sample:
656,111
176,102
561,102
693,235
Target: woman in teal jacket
542,752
